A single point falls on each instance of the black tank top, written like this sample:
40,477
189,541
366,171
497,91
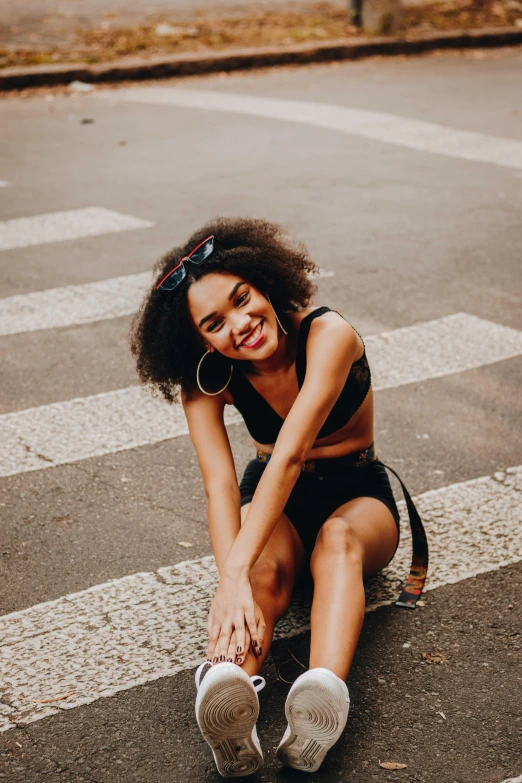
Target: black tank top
264,424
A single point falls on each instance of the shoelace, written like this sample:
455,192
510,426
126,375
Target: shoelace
261,682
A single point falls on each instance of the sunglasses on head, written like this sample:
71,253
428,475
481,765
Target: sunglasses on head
179,273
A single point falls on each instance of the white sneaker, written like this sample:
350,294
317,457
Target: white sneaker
317,710
227,707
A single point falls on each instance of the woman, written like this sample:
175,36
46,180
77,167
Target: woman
229,322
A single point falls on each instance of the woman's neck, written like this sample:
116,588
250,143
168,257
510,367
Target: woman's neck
282,358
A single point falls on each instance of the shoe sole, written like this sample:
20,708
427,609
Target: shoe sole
316,720
227,713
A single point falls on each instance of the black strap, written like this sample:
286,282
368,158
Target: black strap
414,586
304,328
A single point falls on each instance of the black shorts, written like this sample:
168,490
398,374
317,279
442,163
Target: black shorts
315,496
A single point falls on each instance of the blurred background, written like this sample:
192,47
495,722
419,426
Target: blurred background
36,32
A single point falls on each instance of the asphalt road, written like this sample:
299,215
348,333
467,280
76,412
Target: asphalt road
412,233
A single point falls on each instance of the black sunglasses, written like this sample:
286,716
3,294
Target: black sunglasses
179,273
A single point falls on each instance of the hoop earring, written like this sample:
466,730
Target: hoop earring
211,394
277,319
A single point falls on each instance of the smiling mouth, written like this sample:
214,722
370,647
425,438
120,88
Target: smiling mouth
253,337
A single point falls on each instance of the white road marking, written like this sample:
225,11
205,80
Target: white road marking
513,780
61,226
73,430
433,349
78,304
322,274
84,427
388,128
73,305
133,630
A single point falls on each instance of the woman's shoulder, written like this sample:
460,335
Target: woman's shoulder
327,328
326,315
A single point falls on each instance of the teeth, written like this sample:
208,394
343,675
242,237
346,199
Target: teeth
253,338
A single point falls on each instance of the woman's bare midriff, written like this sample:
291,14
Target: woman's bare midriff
357,435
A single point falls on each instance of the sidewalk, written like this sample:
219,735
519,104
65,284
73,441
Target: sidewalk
42,23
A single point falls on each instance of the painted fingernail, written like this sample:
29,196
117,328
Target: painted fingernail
239,649
221,657
254,643
260,651
215,660
229,660
240,660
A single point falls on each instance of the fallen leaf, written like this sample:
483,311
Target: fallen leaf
391,765
186,544
435,657
56,698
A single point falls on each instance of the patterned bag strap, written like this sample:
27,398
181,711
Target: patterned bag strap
414,586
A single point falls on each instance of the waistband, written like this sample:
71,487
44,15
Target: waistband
321,467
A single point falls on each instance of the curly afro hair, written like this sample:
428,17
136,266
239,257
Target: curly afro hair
163,339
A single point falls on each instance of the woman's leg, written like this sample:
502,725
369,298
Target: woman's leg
227,706
358,540
272,579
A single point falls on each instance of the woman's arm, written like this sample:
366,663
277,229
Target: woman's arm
210,439
331,350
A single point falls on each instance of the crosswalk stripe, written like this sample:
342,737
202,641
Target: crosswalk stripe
73,305
78,304
61,226
73,430
136,629
379,126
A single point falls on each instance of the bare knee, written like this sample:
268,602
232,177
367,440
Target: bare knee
337,539
267,577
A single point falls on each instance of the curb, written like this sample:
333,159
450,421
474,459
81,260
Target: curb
138,69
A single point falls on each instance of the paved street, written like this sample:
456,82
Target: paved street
404,178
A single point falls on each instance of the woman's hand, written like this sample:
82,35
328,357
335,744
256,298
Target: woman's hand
232,655
234,619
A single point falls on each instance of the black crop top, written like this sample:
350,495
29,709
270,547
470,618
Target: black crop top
264,424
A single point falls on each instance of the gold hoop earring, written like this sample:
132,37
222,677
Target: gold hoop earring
277,319
211,394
